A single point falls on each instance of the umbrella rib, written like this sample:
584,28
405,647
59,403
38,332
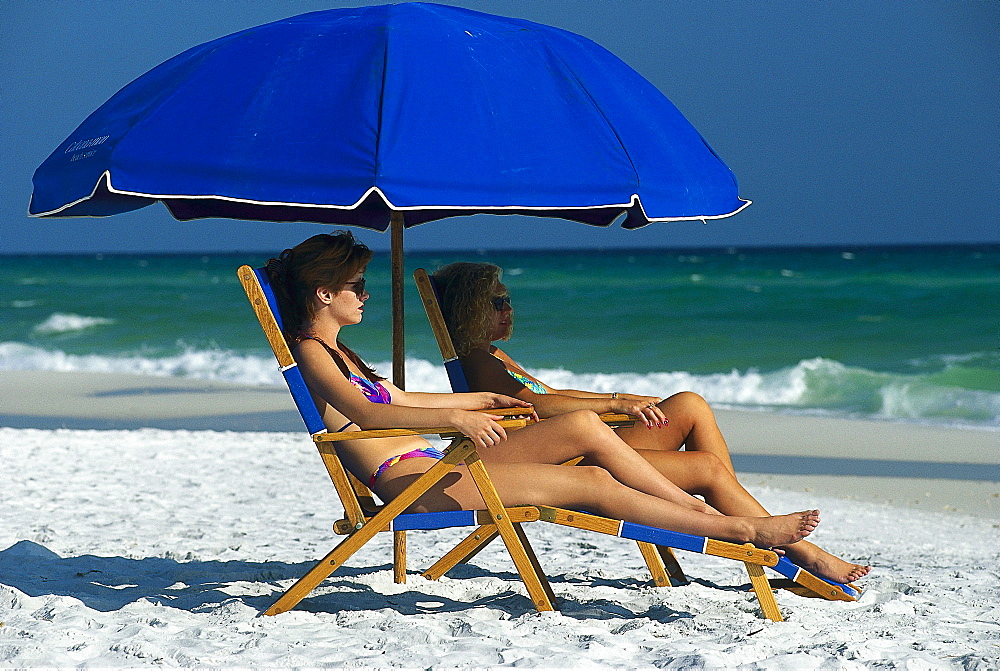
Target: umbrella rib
604,116
381,109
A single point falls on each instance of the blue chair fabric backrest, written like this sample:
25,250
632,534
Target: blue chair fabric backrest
456,376
292,374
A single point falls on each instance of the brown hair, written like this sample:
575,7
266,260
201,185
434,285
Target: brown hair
466,291
325,260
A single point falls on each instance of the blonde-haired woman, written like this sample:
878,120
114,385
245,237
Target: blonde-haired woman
478,311
320,287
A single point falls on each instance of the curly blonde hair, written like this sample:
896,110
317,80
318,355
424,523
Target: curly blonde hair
466,290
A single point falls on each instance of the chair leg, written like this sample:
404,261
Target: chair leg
463,552
357,540
806,584
673,567
324,568
762,588
663,565
519,530
654,562
531,574
399,557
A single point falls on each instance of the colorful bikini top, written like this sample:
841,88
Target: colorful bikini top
372,389
527,382
523,379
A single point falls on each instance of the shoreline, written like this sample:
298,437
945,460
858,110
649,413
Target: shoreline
923,467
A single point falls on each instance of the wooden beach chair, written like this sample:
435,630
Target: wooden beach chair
363,518
654,544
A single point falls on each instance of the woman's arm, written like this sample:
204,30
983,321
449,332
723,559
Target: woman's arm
578,393
591,394
481,400
486,371
326,381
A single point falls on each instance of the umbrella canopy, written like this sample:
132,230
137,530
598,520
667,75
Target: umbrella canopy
390,115
345,115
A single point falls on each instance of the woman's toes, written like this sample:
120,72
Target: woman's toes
809,519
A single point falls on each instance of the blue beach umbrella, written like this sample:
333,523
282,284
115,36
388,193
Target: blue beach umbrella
390,115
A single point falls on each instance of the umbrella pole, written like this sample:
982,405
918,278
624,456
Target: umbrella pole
398,341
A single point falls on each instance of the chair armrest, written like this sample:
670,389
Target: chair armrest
614,419
518,418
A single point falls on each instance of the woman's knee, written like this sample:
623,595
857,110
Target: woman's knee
594,478
687,407
707,465
689,400
583,422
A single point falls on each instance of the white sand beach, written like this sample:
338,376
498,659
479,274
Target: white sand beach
153,529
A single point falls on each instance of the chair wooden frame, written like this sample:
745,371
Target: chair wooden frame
362,517
654,544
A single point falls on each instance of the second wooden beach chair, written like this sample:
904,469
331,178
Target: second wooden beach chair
655,545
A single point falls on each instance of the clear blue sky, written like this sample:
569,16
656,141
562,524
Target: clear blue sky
845,122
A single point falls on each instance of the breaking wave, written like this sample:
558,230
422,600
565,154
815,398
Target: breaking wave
61,322
959,394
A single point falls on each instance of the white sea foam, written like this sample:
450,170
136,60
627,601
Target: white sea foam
221,365
213,364
61,322
735,388
811,385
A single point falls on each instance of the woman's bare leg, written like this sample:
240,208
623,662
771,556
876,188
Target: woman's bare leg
692,424
582,433
594,489
703,474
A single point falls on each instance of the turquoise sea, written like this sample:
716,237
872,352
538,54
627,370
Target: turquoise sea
903,334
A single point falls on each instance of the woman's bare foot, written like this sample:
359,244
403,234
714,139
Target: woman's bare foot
822,563
779,529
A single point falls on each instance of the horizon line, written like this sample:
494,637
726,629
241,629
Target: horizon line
847,246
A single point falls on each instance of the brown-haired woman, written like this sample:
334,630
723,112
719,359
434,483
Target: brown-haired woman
477,309
320,288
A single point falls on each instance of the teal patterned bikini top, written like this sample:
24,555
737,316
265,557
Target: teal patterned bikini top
527,382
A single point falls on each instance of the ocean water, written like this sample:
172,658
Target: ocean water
902,334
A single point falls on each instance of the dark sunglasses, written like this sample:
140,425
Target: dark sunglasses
500,302
357,287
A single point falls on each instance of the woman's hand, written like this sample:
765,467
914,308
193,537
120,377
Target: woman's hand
481,427
500,401
491,400
641,399
646,410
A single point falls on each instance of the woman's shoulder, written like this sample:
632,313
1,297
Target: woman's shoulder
306,345
315,352
487,362
479,356
497,353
